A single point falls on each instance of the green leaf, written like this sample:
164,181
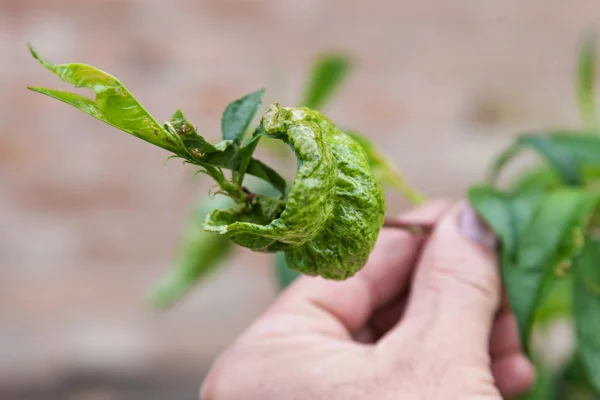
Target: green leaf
385,170
326,76
543,178
245,157
569,153
557,301
334,209
239,114
573,383
507,214
268,174
200,253
585,84
540,236
196,145
586,307
114,104
547,248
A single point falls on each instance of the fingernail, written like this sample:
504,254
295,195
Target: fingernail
475,229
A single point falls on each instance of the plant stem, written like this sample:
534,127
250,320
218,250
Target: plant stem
416,229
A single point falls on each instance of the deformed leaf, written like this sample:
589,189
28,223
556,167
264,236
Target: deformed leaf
114,104
334,209
569,153
586,309
327,74
385,170
239,114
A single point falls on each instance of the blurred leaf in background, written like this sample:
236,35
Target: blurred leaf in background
326,76
585,84
199,254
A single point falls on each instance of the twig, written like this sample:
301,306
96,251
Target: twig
417,229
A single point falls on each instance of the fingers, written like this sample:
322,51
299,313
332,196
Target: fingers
456,290
342,308
514,374
504,338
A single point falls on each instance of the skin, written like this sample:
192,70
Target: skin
425,319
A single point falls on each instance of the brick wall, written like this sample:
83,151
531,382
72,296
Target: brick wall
89,217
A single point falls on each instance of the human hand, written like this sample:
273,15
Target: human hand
423,319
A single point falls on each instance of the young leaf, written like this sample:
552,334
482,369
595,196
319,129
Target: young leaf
199,254
543,178
239,114
195,144
586,309
568,153
268,174
327,74
385,170
335,207
585,84
506,213
547,247
114,104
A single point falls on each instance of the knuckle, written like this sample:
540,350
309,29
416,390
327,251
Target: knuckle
459,275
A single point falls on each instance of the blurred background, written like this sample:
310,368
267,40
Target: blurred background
90,217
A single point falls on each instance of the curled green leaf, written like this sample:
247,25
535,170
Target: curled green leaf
334,209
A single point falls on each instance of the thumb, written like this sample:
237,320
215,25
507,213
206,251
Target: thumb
456,289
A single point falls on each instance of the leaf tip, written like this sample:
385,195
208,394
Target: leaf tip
33,51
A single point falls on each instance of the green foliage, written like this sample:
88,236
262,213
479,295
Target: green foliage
569,154
334,200
586,310
326,222
326,76
239,114
199,253
333,211
585,84
547,222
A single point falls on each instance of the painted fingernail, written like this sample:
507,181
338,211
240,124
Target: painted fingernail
475,229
